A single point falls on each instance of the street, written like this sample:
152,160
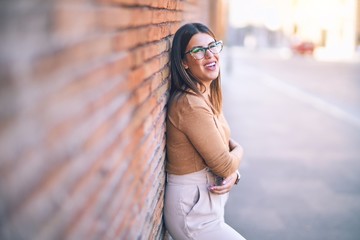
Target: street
299,123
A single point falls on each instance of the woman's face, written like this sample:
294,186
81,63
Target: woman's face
206,69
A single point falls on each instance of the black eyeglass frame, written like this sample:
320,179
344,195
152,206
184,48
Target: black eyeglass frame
206,48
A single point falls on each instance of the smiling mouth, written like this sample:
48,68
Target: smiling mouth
212,64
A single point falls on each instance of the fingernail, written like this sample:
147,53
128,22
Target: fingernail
224,182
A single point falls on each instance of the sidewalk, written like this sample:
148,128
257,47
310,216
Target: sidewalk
300,173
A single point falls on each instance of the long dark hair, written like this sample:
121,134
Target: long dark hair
183,81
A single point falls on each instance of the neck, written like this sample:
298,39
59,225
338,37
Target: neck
207,88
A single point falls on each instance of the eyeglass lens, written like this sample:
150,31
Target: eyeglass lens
199,53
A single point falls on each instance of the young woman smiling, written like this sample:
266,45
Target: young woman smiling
202,160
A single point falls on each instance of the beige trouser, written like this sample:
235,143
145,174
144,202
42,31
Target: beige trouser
192,212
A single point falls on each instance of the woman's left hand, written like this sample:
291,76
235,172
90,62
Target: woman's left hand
226,186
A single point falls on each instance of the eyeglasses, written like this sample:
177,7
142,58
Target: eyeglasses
199,52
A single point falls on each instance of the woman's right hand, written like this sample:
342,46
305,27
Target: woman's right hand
225,186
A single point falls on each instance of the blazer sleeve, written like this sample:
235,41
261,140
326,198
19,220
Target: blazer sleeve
198,124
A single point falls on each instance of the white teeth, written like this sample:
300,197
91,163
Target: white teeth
210,64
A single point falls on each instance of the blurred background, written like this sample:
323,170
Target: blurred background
327,30
83,102
292,97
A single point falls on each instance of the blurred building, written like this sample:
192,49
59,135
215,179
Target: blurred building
358,26
214,13
219,10
331,25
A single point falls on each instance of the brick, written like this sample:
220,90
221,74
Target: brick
103,196
135,37
65,28
74,90
159,31
70,57
89,184
127,2
63,124
163,4
149,51
130,38
85,137
121,18
57,181
145,71
111,18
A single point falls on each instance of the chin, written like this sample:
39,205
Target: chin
214,76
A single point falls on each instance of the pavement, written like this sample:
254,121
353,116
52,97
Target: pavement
301,135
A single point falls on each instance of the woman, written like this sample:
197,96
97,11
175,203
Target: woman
202,159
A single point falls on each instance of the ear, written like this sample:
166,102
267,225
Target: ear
184,64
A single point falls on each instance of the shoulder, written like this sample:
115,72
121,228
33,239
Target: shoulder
188,102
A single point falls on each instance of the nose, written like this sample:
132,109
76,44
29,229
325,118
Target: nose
208,53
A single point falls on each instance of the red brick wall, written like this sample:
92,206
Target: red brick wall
83,96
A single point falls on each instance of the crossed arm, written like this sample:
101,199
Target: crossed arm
228,182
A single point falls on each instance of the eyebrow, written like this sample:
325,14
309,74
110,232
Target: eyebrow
203,46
